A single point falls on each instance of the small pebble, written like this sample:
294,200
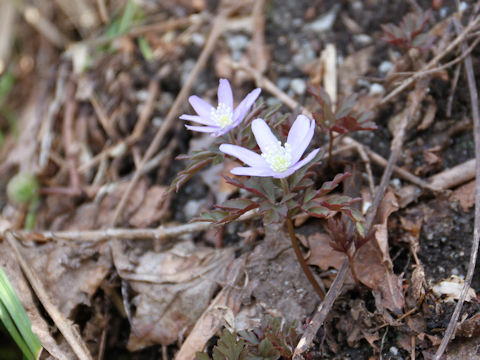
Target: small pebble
283,82
394,351
362,39
376,89
325,22
198,39
237,42
298,86
385,67
304,55
396,183
191,208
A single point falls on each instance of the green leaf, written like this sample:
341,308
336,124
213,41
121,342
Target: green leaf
229,348
234,204
15,319
201,356
267,351
145,48
319,212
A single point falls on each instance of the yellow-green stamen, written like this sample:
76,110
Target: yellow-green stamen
278,157
222,115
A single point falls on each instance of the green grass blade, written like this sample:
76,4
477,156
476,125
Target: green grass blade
12,330
12,307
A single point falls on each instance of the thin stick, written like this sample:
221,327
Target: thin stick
160,233
70,332
217,27
476,236
306,270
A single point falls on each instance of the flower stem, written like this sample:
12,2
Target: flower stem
330,149
285,185
232,138
301,260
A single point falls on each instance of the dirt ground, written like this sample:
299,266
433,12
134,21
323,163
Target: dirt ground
90,98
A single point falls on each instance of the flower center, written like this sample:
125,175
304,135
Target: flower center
278,157
222,115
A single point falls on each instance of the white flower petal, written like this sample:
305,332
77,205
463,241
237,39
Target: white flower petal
247,156
207,129
202,107
284,174
197,119
306,160
224,93
242,109
300,135
250,171
264,136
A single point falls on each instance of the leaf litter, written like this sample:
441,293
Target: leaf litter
183,289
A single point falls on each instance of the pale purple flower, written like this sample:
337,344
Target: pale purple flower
224,117
276,160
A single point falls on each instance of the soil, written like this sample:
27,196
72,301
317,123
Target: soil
118,76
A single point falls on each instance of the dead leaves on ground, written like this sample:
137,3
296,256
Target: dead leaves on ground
372,263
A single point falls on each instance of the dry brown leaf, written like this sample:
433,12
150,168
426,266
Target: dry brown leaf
469,327
39,325
153,208
379,277
228,300
174,288
388,206
465,195
72,274
321,253
374,266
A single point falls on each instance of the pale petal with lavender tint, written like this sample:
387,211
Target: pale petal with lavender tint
251,171
305,161
197,119
224,93
264,136
242,109
300,135
247,156
202,107
223,117
206,129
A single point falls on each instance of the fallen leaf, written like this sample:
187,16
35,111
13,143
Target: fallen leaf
320,252
465,195
72,273
373,264
152,209
174,289
469,327
227,301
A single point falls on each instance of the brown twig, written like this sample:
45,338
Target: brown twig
160,233
258,37
476,235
